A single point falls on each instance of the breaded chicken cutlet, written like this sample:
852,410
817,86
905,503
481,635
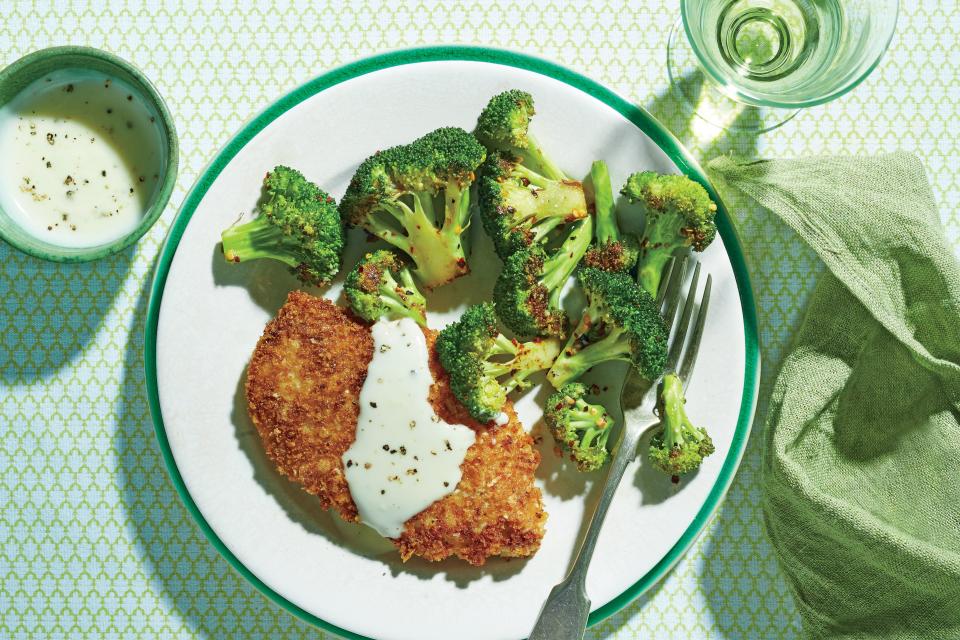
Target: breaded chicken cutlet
303,387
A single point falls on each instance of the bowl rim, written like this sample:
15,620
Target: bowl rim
50,251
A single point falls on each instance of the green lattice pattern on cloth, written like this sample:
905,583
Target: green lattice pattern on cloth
93,539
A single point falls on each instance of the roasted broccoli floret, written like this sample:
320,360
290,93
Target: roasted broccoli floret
679,214
611,250
298,224
380,286
678,447
527,292
580,428
484,365
621,322
519,207
504,125
417,198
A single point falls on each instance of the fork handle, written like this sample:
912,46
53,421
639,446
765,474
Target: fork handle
564,614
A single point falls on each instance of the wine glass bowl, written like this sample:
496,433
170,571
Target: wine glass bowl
777,55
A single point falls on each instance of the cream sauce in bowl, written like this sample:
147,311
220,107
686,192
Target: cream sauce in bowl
80,158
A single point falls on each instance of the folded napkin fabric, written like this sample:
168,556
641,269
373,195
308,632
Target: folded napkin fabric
861,474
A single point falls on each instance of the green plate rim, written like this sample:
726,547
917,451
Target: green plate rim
635,114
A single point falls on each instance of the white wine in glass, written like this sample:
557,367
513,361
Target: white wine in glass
775,56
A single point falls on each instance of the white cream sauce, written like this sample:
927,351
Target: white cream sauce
404,457
80,157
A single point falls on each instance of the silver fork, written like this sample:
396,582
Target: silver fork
564,614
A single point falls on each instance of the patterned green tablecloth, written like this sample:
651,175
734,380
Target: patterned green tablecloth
93,539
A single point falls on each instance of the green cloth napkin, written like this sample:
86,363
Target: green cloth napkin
861,473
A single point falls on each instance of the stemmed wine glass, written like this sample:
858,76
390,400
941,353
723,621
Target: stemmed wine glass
773,57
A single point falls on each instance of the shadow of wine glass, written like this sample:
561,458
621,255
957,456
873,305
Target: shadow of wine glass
735,538
708,141
673,108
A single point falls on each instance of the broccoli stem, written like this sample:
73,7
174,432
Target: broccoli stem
257,239
437,254
528,358
677,426
543,227
573,363
397,308
557,202
381,229
585,419
559,266
585,422
532,177
456,209
406,280
651,270
393,301
657,247
536,154
606,217
503,345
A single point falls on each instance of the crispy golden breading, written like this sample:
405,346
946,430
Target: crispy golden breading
303,386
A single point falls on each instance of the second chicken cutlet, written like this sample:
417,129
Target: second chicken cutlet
303,386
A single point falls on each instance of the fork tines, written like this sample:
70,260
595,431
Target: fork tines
668,299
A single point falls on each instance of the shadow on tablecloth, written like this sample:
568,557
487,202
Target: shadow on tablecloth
735,572
213,600
51,311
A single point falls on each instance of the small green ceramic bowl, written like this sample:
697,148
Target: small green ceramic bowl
16,77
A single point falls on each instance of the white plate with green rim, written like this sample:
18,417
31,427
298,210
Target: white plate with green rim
205,317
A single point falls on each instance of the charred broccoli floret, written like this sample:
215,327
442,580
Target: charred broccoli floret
679,214
621,322
504,125
484,365
579,427
527,292
380,286
417,198
298,224
519,207
678,447
611,250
